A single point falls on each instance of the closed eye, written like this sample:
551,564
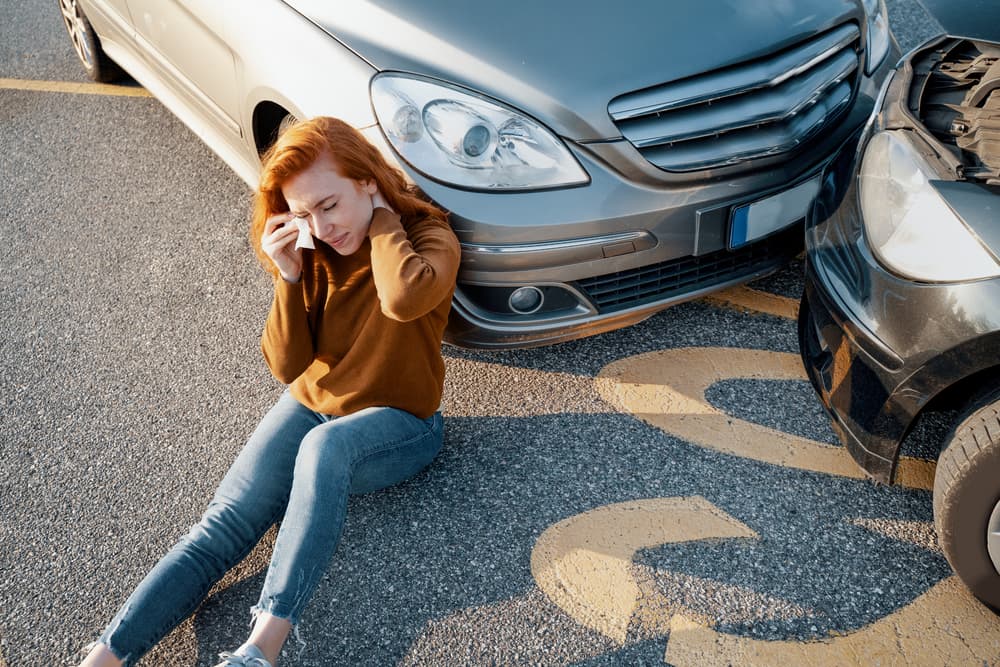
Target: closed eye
327,208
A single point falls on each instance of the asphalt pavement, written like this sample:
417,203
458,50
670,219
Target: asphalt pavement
132,307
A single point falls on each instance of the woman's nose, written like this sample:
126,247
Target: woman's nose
317,225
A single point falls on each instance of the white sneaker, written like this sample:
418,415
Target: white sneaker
247,655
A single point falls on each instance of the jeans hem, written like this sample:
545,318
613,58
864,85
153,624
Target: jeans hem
273,609
126,659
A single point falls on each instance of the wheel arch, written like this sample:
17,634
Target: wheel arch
958,377
266,120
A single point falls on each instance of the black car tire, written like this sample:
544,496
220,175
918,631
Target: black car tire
87,44
966,495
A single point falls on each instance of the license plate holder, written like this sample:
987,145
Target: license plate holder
766,216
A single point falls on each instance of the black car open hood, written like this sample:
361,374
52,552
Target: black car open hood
977,19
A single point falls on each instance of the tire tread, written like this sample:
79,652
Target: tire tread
963,470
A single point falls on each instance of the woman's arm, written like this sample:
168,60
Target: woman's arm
287,342
413,273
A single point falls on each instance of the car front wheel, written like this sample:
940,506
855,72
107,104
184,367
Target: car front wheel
87,44
967,498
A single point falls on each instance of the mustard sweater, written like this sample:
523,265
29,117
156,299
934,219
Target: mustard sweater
365,330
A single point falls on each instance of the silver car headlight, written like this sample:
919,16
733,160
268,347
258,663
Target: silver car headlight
911,229
469,141
878,33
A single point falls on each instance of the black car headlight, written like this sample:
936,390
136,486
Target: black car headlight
910,227
463,139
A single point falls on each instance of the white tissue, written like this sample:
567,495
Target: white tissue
305,239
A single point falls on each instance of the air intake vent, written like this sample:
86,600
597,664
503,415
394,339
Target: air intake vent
660,282
761,108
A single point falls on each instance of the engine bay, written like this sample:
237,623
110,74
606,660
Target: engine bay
955,92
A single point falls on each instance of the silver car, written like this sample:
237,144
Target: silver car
600,161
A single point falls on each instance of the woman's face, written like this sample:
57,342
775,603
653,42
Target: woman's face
339,210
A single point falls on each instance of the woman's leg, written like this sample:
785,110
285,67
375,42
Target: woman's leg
363,452
251,497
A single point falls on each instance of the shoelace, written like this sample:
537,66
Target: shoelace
242,660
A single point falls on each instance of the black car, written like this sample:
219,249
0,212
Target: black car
901,311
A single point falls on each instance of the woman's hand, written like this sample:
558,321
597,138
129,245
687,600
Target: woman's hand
378,201
278,243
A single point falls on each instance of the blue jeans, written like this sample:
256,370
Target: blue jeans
298,467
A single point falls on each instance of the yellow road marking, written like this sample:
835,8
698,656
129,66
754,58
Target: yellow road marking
667,389
746,298
73,88
583,564
944,626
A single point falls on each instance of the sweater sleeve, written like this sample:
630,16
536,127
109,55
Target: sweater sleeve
287,342
413,273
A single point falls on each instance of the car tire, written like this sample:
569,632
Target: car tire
87,44
967,498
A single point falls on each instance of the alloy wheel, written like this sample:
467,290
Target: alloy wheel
993,537
77,29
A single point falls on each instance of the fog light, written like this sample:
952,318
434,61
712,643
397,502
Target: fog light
525,300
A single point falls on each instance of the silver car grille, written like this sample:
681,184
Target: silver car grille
761,108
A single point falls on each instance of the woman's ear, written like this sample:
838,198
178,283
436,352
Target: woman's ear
370,186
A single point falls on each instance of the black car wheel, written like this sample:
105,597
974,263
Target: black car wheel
86,43
967,498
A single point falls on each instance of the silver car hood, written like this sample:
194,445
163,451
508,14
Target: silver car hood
562,61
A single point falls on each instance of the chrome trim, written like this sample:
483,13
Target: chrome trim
497,335
761,142
554,246
721,118
491,320
774,106
738,80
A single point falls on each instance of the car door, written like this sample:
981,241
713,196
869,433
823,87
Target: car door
185,40
119,9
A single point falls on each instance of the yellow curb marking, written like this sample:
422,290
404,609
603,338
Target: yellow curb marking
746,298
667,389
583,563
944,626
73,88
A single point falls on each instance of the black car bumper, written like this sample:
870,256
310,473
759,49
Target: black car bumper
856,389
878,347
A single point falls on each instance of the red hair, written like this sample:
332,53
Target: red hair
298,147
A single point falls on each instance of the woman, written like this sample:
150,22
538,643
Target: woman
355,329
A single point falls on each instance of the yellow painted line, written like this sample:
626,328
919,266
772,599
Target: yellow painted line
667,389
944,626
73,88
584,563
747,299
